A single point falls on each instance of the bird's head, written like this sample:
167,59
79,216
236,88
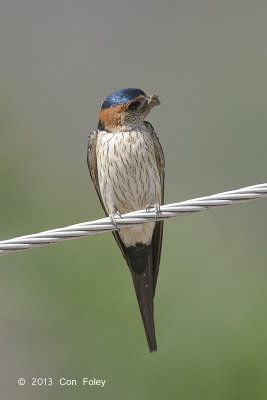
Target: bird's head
125,109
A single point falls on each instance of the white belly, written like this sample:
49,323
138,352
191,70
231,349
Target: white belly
128,178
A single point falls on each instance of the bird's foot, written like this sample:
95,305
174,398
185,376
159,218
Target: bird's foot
113,219
157,209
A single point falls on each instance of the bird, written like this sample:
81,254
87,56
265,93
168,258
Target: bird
127,166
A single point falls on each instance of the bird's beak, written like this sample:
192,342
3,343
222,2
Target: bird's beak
153,100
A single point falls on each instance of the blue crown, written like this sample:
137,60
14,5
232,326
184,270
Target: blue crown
121,96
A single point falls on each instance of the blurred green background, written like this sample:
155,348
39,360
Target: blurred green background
69,309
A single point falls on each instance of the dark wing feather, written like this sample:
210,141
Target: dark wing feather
92,166
158,231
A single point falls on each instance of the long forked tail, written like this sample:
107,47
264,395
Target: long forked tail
140,260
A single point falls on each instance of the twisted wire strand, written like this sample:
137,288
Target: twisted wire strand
137,217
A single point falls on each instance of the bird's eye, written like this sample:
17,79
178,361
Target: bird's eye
134,105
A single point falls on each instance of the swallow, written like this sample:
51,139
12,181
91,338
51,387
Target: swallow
126,164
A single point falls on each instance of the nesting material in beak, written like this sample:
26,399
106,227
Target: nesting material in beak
153,100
